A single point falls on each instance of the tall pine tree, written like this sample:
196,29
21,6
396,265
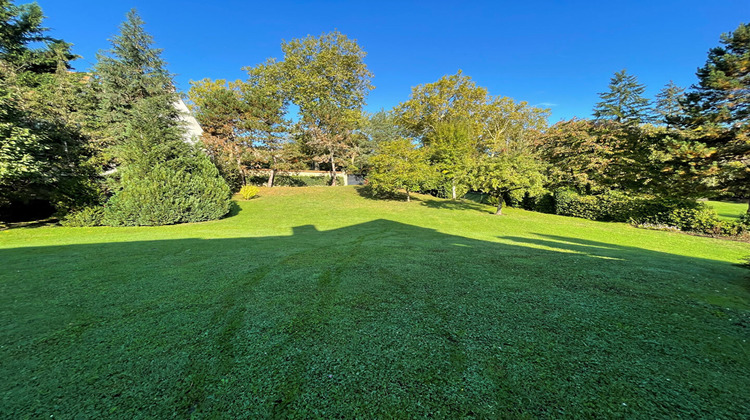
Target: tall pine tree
624,102
158,177
668,103
717,112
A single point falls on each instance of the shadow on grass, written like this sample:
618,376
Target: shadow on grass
456,205
234,210
366,192
52,221
372,320
424,200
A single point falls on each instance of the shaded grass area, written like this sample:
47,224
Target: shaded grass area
728,210
320,303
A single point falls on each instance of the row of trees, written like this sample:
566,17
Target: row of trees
247,124
683,145
110,141
452,136
687,143
106,146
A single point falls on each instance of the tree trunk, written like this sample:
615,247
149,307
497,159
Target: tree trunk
499,211
453,190
408,196
271,178
748,206
241,170
333,171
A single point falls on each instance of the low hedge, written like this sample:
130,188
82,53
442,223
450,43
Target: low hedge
295,180
614,206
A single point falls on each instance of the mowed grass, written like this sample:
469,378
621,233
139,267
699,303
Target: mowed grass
319,302
728,210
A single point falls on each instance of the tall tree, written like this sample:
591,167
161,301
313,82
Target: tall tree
160,178
43,151
499,123
717,109
132,70
454,98
624,102
21,32
668,103
329,81
219,108
511,127
265,120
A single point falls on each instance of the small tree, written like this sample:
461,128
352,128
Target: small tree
500,175
668,103
399,164
159,178
453,151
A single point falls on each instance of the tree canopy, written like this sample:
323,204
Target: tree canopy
624,102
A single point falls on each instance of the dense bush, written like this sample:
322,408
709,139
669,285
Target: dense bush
248,191
614,206
699,220
88,216
180,191
544,203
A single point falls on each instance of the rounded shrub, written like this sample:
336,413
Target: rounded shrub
183,190
248,191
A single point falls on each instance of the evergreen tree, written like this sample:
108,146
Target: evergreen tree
159,177
623,102
43,151
717,112
20,29
131,71
668,103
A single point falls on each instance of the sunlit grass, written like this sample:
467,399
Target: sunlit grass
728,209
320,302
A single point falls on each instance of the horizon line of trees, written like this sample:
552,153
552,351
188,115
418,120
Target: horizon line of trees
108,147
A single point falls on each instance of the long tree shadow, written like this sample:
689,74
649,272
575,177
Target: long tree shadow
380,319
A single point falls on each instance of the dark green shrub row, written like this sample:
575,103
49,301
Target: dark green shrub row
640,210
614,206
544,203
700,220
296,180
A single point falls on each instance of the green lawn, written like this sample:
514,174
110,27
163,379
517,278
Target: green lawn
318,302
728,209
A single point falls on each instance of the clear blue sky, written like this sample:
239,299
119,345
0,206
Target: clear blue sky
558,54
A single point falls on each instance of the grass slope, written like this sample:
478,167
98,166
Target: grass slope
728,209
318,302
